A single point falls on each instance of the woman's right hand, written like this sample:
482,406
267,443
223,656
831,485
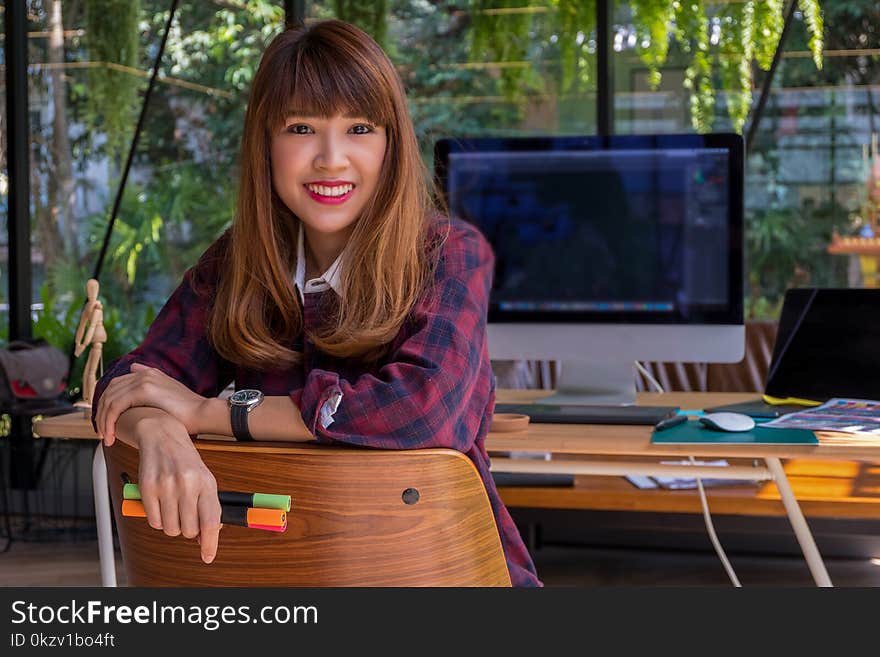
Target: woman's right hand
178,491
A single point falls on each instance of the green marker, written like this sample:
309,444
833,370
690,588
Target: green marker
256,500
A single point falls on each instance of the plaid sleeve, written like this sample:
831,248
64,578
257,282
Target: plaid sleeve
176,342
435,388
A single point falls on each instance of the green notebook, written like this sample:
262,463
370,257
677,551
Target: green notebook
694,433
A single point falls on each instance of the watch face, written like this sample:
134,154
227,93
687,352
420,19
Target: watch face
246,396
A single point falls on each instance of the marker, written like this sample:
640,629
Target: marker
233,498
273,520
670,422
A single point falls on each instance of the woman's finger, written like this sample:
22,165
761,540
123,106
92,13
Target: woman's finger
189,516
151,505
169,503
209,525
110,393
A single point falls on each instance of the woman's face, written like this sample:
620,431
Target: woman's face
326,169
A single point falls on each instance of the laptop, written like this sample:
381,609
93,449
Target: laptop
827,345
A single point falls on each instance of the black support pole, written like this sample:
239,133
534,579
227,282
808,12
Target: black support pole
604,75
18,140
96,273
768,79
19,228
294,12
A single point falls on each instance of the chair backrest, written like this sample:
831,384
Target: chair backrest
348,526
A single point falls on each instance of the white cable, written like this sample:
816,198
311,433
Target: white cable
711,529
705,504
651,379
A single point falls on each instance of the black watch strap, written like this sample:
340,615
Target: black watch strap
238,416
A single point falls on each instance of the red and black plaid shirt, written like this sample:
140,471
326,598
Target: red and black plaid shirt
435,388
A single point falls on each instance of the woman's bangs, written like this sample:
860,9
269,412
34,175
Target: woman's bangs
326,87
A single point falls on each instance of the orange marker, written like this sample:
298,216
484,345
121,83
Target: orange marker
269,519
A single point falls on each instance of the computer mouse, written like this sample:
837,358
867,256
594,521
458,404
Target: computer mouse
727,421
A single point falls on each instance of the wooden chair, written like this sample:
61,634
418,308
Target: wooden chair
348,526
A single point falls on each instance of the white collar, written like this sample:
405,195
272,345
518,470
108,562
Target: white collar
330,279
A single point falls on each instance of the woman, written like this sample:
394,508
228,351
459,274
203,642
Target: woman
344,307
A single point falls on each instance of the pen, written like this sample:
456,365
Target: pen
233,498
670,422
273,520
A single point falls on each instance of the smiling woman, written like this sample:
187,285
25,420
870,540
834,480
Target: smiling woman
345,307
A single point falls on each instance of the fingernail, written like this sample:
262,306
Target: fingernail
209,558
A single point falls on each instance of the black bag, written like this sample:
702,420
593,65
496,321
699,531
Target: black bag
33,376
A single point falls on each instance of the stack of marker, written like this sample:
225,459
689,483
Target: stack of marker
253,510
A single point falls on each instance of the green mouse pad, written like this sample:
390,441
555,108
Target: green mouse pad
693,433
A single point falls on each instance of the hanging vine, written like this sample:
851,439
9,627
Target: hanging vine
769,20
736,49
718,49
111,28
576,20
652,20
504,37
692,35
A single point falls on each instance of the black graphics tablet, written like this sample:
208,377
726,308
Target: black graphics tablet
757,408
573,414
828,345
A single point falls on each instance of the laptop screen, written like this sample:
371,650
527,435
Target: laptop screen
828,345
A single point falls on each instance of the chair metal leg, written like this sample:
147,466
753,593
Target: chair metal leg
799,524
102,518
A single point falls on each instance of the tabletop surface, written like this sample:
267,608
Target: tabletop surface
594,439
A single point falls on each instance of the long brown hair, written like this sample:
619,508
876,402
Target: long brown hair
323,70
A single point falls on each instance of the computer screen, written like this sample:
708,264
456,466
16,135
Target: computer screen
599,241
827,345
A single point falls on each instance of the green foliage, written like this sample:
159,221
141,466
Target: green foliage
748,30
369,15
736,48
503,38
692,35
787,247
652,19
111,28
769,21
813,17
574,18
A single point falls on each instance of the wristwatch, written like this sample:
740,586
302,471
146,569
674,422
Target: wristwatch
241,403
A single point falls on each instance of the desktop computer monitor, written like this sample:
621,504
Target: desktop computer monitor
609,250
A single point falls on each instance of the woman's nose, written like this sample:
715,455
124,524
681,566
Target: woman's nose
331,156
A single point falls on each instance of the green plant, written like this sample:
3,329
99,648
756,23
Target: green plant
692,35
111,28
500,29
651,19
369,15
747,31
576,20
787,247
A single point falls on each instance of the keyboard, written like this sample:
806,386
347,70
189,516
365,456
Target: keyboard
588,414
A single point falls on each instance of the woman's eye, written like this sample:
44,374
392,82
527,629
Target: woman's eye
298,129
361,129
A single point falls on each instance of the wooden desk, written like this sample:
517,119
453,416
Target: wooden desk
622,440
619,450
617,444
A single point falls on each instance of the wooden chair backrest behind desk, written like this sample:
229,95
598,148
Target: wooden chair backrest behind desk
348,525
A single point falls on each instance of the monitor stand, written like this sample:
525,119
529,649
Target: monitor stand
597,384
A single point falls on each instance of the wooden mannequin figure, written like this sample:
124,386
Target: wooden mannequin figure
90,332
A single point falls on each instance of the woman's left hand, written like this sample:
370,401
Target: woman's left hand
147,386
